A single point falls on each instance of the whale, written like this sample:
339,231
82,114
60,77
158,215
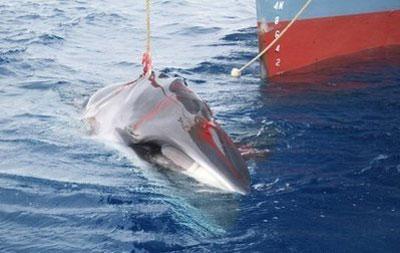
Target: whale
167,124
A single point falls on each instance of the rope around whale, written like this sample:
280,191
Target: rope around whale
237,72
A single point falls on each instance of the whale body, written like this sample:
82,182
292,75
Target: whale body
168,124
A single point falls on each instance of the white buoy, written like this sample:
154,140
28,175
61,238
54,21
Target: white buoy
236,72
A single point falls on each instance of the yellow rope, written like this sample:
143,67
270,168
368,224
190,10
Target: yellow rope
237,72
148,39
146,58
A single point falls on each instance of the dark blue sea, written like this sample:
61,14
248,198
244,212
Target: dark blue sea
331,182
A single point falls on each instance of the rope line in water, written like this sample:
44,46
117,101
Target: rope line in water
237,72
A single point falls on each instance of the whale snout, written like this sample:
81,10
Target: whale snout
216,153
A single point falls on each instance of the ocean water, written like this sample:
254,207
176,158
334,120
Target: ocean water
331,182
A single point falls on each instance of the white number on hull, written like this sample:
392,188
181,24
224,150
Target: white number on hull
276,20
278,62
279,5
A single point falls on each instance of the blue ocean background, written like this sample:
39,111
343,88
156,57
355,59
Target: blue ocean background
331,182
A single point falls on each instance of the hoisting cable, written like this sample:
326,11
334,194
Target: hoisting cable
237,72
146,60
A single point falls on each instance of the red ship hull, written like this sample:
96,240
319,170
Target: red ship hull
312,40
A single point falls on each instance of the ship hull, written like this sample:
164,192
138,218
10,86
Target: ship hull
327,29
